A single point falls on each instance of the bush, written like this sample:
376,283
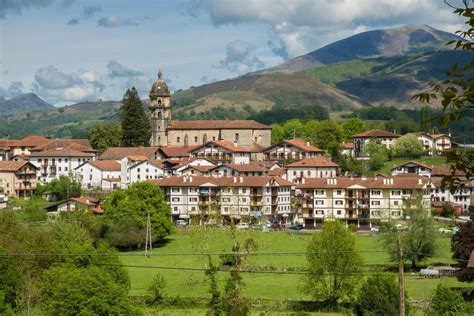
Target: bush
408,146
156,289
447,302
379,296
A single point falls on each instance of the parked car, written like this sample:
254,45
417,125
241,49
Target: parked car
296,227
375,229
242,226
180,223
277,226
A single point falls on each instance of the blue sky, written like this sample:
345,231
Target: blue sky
68,51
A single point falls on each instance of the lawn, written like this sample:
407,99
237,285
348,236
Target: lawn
186,248
386,169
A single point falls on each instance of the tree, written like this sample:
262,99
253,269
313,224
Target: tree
103,136
379,296
139,200
378,154
446,302
71,290
462,246
135,123
408,146
5,307
418,241
10,280
327,134
62,187
125,232
456,92
351,127
334,263
447,209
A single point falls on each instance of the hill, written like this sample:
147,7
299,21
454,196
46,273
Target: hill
23,103
72,121
405,40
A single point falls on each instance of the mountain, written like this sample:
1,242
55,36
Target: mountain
23,103
73,121
408,39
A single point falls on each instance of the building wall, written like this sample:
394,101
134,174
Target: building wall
144,171
295,174
20,183
50,168
92,177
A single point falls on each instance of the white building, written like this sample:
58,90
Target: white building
222,152
413,168
58,162
435,144
145,170
360,201
291,150
314,167
102,174
360,140
234,197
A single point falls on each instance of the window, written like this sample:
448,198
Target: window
193,199
376,192
178,139
375,202
186,140
339,192
397,192
175,190
59,160
65,168
395,202
339,202
319,202
175,199
339,212
204,138
236,137
195,139
319,192
226,200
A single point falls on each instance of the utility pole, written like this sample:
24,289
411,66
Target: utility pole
148,240
401,277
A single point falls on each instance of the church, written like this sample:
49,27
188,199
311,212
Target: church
167,132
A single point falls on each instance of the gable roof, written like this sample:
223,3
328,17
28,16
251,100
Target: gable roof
298,143
7,143
223,144
347,146
313,162
365,182
217,124
253,166
106,165
62,152
76,144
14,165
376,133
118,153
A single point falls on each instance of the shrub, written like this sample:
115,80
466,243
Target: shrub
446,302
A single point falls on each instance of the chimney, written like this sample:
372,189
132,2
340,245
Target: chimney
303,180
364,178
235,179
391,181
190,179
241,179
335,181
328,181
308,144
184,179
420,181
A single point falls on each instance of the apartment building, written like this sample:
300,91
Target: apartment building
461,197
313,167
235,197
103,174
222,152
359,201
18,178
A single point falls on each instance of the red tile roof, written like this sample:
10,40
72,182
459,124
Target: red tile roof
414,162
176,151
196,181
223,144
137,157
298,143
64,152
76,144
31,141
13,165
370,183
376,133
217,124
346,146
108,165
118,153
7,143
313,162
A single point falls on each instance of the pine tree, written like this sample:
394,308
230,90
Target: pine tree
135,123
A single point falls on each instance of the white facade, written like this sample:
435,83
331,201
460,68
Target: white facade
145,170
296,174
412,167
95,174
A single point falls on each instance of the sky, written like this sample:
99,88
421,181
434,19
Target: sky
68,51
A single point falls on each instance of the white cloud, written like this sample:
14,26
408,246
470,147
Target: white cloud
115,21
15,88
142,84
305,25
59,87
238,57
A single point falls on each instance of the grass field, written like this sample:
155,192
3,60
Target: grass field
430,161
272,286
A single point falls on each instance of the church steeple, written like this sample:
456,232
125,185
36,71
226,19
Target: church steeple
160,111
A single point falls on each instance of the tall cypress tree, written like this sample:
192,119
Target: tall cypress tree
135,123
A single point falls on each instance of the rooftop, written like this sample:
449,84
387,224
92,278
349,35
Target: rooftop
217,124
313,162
376,133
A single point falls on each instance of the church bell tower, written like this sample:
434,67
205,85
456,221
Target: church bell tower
160,111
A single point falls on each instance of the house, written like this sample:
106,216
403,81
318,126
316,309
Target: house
191,166
347,149
174,152
435,144
23,146
103,174
126,163
291,150
361,139
313,167
72,204
461,196
5,148
360,201
233,197
413,168
146,170
232,169
18,178
58,162
222,152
